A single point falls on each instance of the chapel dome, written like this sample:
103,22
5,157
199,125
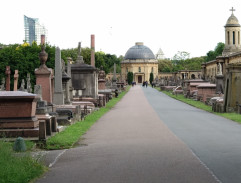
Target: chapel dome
139,51
232,21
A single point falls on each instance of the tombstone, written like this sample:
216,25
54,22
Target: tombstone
84,78
17,114
44,75
8,72
15,88
101,79
29,86
2,86
69,83
65,79
58,98
22,86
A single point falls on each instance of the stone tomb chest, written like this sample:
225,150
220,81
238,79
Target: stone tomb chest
17,113
85,78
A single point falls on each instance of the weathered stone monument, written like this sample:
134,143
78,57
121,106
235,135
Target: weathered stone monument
17,114
58,90
93,50
44,74
2,86
29,86
84,79
8,72
15,87
220,78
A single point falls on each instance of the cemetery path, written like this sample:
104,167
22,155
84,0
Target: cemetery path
130,144
216,141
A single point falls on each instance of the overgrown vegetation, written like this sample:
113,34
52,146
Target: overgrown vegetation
72,134
25,59
17,167
232,116
130,77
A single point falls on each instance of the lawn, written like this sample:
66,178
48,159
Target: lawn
232,116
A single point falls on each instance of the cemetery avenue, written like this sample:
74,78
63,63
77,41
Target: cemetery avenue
145,138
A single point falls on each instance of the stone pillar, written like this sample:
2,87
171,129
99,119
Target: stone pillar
93,50
69,83
58,90
15,88
43,75
8,72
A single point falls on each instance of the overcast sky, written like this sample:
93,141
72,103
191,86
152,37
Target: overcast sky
194,26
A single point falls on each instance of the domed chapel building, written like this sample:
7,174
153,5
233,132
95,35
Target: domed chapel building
140,60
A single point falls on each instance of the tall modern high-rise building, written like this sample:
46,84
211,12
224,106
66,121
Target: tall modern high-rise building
33,30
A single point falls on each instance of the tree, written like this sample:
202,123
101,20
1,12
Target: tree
212,54
151,77
165,65
130,77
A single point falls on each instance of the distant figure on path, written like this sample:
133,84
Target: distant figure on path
146,84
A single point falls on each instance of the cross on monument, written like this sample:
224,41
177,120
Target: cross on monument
232,10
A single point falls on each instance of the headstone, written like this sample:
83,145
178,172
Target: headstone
44,76
101,79
2,86
58,90
7,72
29,87
15,88
17,114
65,79
69,83
22,86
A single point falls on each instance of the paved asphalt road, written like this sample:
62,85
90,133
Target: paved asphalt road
150,138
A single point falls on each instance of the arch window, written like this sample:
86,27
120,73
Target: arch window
233,37
127,69
238,37
139,69
228,38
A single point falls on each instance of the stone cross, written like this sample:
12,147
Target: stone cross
29,87
232,10
15,88
58,90
7,72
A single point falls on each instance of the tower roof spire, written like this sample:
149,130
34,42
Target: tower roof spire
232,10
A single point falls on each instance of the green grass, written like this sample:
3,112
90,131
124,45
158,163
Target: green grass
16,168
72,134
232,116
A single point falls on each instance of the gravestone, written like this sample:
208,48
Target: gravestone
84,78
22,86
58,90
29,87
2,86
15,88
22,122
44,75
65,86
8,72
69,83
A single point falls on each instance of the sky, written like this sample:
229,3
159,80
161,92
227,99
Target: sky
194,26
